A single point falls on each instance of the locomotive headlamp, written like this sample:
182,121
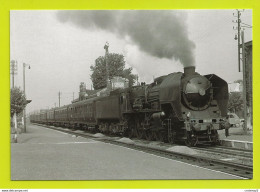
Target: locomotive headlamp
188,114
207,120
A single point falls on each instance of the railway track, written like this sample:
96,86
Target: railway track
245,171
244,157
227,152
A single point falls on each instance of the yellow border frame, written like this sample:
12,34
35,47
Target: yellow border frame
7,5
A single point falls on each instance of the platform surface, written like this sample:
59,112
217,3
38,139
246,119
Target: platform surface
44,154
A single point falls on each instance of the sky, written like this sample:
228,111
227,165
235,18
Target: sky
60,46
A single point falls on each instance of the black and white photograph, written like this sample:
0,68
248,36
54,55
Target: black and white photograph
131,94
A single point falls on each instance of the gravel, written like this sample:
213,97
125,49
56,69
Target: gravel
183,149
98,135
126,140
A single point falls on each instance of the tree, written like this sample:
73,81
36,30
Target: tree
127,73
248,89
18,101
116,67
235,102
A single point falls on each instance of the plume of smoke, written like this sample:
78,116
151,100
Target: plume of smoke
160,33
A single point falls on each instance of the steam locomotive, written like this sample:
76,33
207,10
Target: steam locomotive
178,107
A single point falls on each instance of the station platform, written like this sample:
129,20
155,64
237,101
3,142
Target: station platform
44,154
237,138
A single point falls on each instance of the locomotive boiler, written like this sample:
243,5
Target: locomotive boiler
178,107
185,107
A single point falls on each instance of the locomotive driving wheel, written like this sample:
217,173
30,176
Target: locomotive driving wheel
157,135
149,135
160,136
190,142
154,135
171,139
140,134
132,132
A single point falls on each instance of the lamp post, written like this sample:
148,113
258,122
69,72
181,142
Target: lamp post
24,111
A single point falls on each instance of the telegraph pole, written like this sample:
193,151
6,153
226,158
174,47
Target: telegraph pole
13,70
241,33
237,37
244,82
238,40
59,97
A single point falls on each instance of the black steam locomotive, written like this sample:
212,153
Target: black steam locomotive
179,107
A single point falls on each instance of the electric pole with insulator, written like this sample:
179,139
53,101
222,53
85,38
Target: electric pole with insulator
237,37
244,82
242,25
13,69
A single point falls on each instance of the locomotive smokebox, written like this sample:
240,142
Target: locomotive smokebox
189,70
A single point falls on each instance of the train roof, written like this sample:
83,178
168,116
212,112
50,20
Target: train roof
85,101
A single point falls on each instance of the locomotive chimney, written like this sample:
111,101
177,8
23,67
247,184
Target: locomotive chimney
189,70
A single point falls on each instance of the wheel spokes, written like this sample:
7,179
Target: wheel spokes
140,134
